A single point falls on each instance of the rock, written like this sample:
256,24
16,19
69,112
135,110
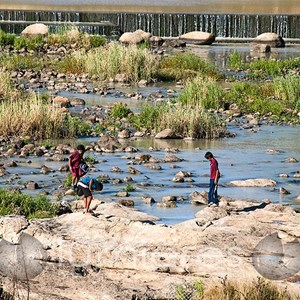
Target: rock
139,134
156,41
134,171
172,158
283,175
70,192
33,30
198,38
10,227
298,198
199,198
259,182
61,101
270,38
171,204
296,175
39,152
3,172
142,157
121,78
124,134
10,164
209,214
77,102
117,181
291,160
116,170
128,179
130,149
136,37
155,160
178,179
260,48
220,241
122,194
167,134
148,200
79,204
32,185
63,208
283,191
45,170
173,43
118,210
183,174
142,83
169,199
126,202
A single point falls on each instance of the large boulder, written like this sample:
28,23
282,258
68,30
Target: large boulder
167,134
198,38
136,37
33,30
270,38
61,101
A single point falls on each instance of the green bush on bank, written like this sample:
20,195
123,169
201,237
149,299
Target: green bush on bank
6,38
16,203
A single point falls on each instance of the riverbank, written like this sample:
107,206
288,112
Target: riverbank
121,254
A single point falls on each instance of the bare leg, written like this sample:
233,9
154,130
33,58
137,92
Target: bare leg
85,204
88,203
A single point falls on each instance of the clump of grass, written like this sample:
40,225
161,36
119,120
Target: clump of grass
68,180
21,204
183,66
235,60
254,97
73,64
129,188
6,87
6,38
33,43
20,62
120,111
113,59
190,122
287,89
32,116
259,289
202,92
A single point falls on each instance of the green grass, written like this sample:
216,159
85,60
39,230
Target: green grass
120,111
33,43
202,92
6,38
183,66
185,121
20,62
235,60
15,203
129,188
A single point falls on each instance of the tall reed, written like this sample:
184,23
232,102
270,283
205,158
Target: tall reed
202,92
135,63
35,117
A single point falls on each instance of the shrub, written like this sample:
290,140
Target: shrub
30,207
120,111
129,188
33,43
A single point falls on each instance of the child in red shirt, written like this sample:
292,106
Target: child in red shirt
74,161
214,179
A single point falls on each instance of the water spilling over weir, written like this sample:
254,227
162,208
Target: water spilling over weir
161,24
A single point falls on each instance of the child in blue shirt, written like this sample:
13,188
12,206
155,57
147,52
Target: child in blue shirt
85,187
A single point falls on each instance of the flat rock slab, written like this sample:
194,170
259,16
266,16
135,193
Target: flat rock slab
258,182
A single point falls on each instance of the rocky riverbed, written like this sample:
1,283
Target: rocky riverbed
119,253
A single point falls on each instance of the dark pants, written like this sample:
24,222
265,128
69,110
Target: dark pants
212,194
